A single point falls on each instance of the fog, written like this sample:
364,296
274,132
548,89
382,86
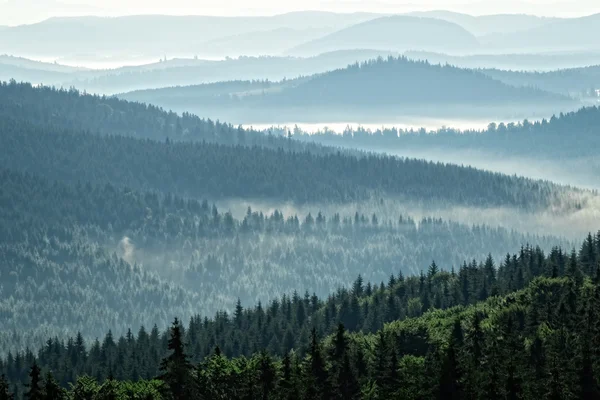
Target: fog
16,12
572,224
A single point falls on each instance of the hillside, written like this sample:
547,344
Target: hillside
523,329
72,110
36,65
114,256
576,82
541,62
154,35
569,137
394,33
489,24
184,72
263,42
260,173
40,124
574,34
381,89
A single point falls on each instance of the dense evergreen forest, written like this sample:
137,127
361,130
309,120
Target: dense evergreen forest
214,171
384,85
569,134
527,329
73,110
577,82
116,257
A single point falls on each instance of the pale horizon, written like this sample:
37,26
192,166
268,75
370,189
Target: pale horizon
20,12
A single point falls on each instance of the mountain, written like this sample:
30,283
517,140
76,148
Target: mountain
177,71
575,34
576,82
394,33
541,62
503,147
37,65
489,24
381,89
264,42
521,319
35,76
183,72
84,251
153,35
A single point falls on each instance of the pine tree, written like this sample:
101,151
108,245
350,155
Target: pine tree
35,390
344,383
286,388
52,390
176,368
317,378
451,374
5,393
267,375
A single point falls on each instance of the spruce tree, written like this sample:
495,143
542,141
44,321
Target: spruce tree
317,377
267,375
5,393
176,368
34,388
52,390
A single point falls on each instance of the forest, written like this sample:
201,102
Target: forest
179,221
546,135
103,254
388,87
526,329
254,172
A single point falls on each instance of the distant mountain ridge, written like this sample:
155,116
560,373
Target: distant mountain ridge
154,34
382,87
488,24
567,34
394,33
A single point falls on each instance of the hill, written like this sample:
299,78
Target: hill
504,147
575,34
153,35
382,89
489,24
394,33
541,62
275,174
264,42
183,72
37,65
576,82
102,253
443,336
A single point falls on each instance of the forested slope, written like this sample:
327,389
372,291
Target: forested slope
381,89
71,109
565,135
87,257
525,330
205,170
385,82
577,82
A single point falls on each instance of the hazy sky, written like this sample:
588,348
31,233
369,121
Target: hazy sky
14,12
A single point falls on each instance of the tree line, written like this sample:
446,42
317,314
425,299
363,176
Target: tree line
117,257
527,329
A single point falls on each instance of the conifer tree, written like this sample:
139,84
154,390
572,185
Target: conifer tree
5,393
317,377
52,390
176,368
34,388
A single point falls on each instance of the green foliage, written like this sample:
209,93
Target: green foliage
520,345
146,256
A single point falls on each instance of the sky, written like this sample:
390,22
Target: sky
16,12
